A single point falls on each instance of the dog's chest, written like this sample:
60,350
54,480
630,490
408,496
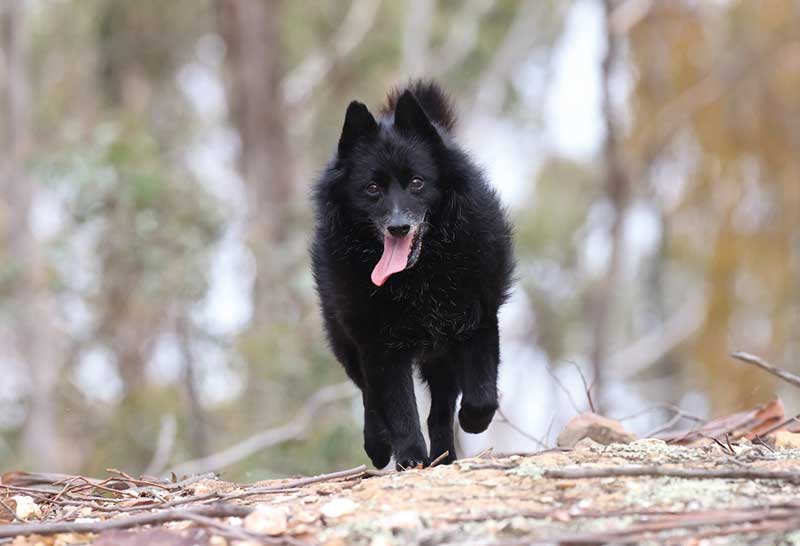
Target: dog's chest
428,315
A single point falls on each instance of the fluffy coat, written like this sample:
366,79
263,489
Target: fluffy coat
403,171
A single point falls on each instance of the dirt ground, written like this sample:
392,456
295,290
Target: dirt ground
643,492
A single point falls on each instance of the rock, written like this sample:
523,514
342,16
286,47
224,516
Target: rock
787,440
338,508
266,520
25,507
650,442
404,519
596,427
586,444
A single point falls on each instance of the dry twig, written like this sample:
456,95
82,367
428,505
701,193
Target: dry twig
150,518
274,436
676,472
789,377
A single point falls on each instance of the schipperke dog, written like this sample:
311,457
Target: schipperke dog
412,258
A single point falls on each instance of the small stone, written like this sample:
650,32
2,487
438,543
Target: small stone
649,442
787,440
266,520
404,519
338,507
25,507
304,517
381,540
596,427
586,444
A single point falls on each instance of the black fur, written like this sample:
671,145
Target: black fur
440,313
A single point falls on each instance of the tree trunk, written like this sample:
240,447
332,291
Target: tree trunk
37,339
251,30
618,193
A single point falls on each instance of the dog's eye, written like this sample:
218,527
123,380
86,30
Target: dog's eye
416,184
372,189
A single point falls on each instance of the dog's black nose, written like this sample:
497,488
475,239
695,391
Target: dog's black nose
399,231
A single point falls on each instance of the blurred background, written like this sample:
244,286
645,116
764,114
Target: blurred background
156,304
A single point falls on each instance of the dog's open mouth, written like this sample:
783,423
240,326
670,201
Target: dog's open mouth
399,253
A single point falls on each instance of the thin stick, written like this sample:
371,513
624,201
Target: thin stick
240,534
586,386
295,428
349,473
789,377
688,473
561,386
781,425
674,523
9,510
520,431
216,510
439,459
134,481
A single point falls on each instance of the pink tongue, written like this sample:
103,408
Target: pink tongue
394,258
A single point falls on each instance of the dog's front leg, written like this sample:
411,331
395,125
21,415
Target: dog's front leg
390,389
479,359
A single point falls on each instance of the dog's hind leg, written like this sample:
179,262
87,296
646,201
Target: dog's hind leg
390,388
479,358
443,385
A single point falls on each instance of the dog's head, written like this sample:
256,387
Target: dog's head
393,180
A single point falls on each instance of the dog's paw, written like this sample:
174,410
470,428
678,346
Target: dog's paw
476,419
414,456
379,452
410,463
377,446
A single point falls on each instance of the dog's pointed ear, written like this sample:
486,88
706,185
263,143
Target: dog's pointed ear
358,123
410,118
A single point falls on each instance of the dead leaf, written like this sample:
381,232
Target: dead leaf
746,424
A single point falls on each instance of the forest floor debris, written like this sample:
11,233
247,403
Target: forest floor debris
643,491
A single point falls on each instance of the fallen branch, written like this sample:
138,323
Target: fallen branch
229,531
688,473
150,518
679,523
284,488
789,377
519,431
274,436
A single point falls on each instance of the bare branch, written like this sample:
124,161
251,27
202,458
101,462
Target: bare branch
563,389
658,343
164,445
463,36
298,85
752,473
627,14
417,35
518,430
789,377
51,528
586,386
520,38
274,436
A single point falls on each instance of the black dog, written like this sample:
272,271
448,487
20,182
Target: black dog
412,258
